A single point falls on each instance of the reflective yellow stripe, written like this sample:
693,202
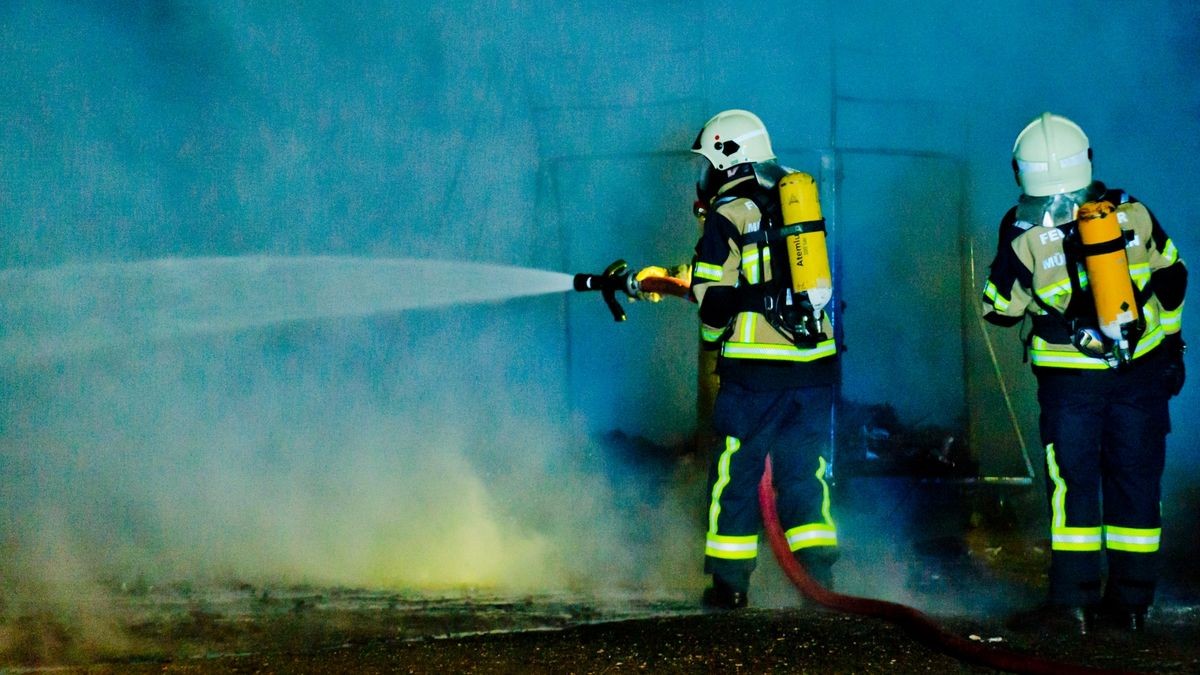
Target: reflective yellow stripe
1058,499
820,474
1170,253
711,334
777,352
1073,358
714,507
708,271
1140,273
731,548
1063,538
1172,320
1150,340
992,293
807,536
745,326
1049,294
741,547
1053,358
750,266
1132,539
1083,278
1075,538
816,534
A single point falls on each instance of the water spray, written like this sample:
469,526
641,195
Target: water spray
76,309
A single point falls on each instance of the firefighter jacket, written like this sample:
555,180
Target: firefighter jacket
731,278
1035,272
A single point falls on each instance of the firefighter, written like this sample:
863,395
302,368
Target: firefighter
777,361
1106,349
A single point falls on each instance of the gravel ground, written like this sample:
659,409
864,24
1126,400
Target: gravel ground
970,583
340,631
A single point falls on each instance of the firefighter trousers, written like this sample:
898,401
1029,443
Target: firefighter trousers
792,426
1105,437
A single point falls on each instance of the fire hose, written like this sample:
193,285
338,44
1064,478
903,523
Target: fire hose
919,625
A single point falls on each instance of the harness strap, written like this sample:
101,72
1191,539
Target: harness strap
1102,247
769,236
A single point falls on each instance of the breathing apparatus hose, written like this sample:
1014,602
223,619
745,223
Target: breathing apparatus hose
919,625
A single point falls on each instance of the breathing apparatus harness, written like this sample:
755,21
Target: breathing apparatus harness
792,297
1104,317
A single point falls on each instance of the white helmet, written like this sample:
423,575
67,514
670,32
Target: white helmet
1052,156
733,137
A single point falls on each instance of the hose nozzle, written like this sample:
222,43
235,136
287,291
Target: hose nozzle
616,277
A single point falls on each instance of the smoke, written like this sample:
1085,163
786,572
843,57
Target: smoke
278,453
408,452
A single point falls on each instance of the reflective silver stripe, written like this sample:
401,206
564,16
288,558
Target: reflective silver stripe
1074,160
731,548
745,325
1132,539
992,293
1065,359
1076,539
1032,167
1140,272
816,534
718,545
1072,358
777,352
741,140
1063,538
1172,319
808,536
751,267
1054,291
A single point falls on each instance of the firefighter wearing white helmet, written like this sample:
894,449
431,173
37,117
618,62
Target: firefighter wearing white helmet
1104,287
777,356
1052,156
734,137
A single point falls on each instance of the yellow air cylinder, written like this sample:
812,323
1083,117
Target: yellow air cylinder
806,249
1108,270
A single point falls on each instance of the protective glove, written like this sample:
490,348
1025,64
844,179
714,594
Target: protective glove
1173,373
680,277
652,271
682,272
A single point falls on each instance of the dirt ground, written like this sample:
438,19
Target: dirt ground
969,581
363,639
248,629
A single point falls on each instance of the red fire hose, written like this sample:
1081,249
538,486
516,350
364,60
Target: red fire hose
916,623
665,286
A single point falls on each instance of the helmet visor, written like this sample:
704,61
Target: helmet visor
1051,210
